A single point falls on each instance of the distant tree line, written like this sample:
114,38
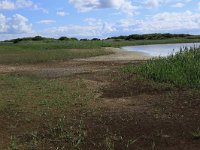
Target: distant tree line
64,38
40,38
36,38
155,36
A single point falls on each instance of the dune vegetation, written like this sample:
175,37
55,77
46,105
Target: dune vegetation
35,52
181,69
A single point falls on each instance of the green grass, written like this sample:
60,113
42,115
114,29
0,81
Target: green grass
43,103
196,134
36,56
182,69
28,93
38,51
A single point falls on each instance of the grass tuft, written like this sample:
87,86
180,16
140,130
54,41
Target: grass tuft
196,134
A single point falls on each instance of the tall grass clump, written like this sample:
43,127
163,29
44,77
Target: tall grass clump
181,69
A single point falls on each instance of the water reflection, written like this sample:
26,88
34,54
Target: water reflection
160,49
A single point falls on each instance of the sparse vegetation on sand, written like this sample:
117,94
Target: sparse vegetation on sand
28,92
42,103
82,104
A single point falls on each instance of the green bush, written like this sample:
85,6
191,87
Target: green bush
63,38
38,38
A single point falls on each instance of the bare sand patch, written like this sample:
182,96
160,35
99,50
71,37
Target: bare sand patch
119,55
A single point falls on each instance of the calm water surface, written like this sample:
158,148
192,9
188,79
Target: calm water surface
160,49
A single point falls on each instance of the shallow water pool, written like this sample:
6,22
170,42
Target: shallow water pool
160,49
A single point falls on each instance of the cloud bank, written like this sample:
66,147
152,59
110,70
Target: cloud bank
125,6
16,24
19,4
150,18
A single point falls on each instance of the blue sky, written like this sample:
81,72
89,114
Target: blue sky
97,18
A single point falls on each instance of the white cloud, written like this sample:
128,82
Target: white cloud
62,13
187,1
152,3
17,24
178,5
125,6
19,4
164,22
183,22
157,3
161,22
100,25
94,28
3,25
85,5
46,22
24,4
7,5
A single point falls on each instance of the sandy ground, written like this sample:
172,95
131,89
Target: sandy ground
125,109
119,55
75,66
